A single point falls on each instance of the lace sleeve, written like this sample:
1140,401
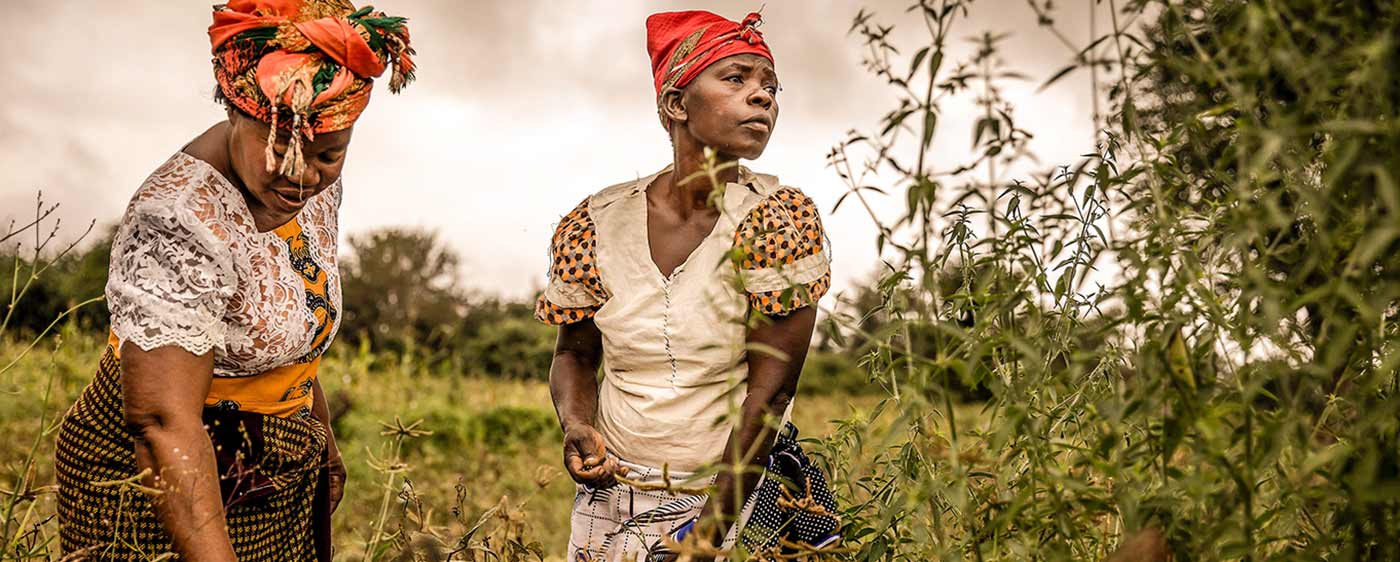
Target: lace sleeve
575,290
170,278
783,262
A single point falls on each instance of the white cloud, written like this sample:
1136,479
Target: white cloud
522,109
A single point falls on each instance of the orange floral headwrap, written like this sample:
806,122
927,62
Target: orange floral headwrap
305,66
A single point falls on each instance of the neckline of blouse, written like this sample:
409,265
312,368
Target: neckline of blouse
747,180
242,206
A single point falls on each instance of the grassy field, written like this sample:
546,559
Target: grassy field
492,443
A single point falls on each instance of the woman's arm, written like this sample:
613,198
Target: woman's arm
334,464
772,384
163,403
573,384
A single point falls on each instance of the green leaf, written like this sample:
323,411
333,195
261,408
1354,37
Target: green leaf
1063,72
918,58
1130,120
981,128
930,124
1179,362
1386,187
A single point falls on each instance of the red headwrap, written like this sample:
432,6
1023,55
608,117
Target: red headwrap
305,66
682,44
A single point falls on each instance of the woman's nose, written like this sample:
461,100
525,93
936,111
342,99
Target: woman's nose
762,98
302,174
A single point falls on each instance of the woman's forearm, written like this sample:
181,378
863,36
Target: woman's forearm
573,374
180,462
163,392
573,385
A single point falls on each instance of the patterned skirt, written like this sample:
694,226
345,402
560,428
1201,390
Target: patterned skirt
271,475
791,505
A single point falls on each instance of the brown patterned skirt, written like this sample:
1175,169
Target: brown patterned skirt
271,474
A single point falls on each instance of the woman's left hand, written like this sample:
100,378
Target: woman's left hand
336,467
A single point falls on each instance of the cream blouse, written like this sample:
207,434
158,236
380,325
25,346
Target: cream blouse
674,353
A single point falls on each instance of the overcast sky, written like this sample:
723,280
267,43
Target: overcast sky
520,110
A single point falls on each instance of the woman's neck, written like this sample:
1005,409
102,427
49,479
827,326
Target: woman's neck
690,180
215,148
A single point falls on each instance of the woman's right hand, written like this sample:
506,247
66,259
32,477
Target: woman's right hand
586,458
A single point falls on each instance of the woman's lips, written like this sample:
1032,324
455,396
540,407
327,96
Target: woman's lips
757,126
294,199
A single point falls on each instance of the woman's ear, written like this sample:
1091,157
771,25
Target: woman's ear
673,106
234,116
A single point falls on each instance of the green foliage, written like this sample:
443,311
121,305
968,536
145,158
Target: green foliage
1229,380
830,373
56,283
400,290
402,294
23,518
495,427
504,339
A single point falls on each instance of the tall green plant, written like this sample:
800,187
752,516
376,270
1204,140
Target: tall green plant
1228,377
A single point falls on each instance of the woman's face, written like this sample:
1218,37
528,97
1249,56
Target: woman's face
283,195
732,106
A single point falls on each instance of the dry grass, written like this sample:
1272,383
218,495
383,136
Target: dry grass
495,438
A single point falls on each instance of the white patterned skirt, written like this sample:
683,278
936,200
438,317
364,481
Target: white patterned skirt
625,523
632,524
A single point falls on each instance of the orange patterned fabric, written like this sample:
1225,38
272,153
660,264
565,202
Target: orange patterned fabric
778,232
574,260
305,66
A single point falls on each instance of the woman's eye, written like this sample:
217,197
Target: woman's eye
328,158
736,79
772,90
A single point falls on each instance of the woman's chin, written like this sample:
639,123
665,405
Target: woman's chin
751,154
746,151
280,203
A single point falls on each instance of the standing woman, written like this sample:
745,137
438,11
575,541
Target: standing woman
697,295
224,293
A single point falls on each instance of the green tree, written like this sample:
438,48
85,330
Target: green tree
401,291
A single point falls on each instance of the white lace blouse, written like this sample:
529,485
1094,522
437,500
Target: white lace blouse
190,269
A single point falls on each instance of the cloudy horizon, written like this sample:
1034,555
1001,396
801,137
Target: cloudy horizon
520,111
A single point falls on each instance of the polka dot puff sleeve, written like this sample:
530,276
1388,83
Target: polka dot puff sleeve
782,257
575,290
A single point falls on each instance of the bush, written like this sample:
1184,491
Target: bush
496,428
827,372
400,288
517,348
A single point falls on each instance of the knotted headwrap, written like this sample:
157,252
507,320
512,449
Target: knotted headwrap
305,66
682,44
